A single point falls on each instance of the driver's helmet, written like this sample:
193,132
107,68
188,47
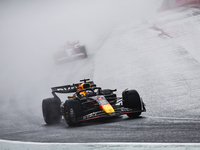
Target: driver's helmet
82,87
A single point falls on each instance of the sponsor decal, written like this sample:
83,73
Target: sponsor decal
91,115
126,109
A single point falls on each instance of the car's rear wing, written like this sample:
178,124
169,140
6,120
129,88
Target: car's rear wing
64,89
68,88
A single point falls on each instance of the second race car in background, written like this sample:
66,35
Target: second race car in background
72,51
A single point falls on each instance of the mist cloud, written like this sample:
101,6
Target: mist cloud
31,31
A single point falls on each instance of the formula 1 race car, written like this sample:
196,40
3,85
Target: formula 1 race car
90,102
72,51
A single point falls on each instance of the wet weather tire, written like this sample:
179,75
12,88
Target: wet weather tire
131,99
51,110
72,110
83,50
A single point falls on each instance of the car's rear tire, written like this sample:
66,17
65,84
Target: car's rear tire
51,110
131,99
72,110
83,50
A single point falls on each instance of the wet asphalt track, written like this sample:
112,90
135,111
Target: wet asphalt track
154,62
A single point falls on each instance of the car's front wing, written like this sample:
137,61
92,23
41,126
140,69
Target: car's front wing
102,114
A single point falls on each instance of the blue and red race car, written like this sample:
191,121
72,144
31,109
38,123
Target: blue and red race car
90,102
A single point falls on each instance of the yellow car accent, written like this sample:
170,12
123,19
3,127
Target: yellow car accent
85,85
83,93
107,108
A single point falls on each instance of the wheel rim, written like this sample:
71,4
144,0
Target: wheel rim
66,115
71,112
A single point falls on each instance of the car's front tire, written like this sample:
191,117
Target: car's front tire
131,99
72,110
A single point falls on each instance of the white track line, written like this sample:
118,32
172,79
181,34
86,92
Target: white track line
126,143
